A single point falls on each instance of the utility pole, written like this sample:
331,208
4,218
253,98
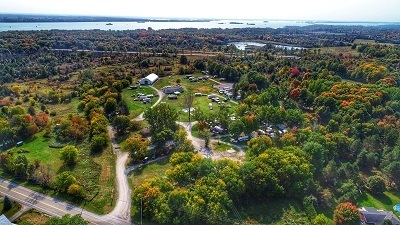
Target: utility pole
141,210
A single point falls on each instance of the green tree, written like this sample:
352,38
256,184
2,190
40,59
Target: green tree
236,127
99,142
21,166
183,60
121,124
206,134
393,170
68,154
376,184
76,190
137,147
346,214
188,103
162,119
317,153
7,204
123,108
250,123
258,145
64,180
110,106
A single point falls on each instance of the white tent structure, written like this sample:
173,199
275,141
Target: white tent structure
149,80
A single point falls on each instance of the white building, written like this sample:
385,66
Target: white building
149,80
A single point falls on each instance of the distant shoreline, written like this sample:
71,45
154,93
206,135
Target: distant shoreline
22,18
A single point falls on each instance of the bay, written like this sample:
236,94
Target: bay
224,24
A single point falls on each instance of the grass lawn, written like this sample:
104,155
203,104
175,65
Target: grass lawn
157,169
221,147
32,217
39,149
201,102
384,201
204,87
137,107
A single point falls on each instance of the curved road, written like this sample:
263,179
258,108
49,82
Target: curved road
57,207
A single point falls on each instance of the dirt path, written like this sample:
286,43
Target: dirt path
123,206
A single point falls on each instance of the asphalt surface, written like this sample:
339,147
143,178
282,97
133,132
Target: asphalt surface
52,206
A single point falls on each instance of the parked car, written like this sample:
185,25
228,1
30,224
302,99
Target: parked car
145,160
146,100
243,138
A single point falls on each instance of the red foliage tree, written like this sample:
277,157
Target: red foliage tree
295,72
346,214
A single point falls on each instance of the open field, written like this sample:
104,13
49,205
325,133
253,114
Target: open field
37,148
203,86
200,102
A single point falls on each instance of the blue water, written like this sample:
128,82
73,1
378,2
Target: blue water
164,25
243,44
397,207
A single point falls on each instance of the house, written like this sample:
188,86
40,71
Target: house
172,89
149,80
370,215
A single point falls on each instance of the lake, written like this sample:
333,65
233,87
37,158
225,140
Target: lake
229,24
243,44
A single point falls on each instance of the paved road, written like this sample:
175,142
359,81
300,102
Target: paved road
52,206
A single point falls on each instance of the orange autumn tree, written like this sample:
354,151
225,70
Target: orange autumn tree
346,214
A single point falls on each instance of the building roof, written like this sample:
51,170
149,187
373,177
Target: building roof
4,220
152,77
172,89
373,216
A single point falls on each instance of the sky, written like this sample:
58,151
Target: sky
332,10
